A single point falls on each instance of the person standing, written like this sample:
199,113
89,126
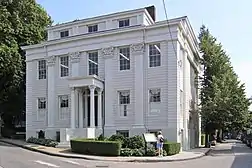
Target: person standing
160,142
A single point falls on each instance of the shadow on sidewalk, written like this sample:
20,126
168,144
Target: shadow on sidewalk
2,144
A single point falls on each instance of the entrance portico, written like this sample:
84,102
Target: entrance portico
86,108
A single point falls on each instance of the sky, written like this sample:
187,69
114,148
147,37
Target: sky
229,21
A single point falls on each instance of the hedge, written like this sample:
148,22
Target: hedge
44,142
135,142
171,148
95,147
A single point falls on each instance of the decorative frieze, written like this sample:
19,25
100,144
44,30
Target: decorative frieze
108,52
74,56
51,60
137,48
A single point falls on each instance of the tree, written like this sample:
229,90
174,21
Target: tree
223,99
21,23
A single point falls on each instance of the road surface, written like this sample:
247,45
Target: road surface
228,155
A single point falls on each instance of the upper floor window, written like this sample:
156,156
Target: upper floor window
42,103
155,95
93,28
124,55
124,23
93,63
64,34
42,69
64,66
154,55
124,100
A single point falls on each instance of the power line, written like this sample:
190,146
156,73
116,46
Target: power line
169,29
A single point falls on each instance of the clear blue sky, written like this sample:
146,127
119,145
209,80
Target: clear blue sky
229,21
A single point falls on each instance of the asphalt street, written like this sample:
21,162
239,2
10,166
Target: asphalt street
228,155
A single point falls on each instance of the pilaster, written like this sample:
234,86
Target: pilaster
108,54
75,61
51,90
137,52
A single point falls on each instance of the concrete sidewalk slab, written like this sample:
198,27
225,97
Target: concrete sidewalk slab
60,152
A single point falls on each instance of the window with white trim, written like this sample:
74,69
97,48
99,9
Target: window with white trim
154,55
63,104
124,133
124,101
64,34
124,54
64,66
124,23
41,113
42,103
155,95
42,69
93,63
93,28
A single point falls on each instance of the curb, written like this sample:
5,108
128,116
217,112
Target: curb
100,159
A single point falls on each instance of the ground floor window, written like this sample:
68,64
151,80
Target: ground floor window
125,133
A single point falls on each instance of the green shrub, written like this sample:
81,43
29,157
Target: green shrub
203,139
164,153
171,148
151,151
135,142
43,142
95,147
118,137
138,152
126,152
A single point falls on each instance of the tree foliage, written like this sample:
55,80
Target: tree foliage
21,23
223,98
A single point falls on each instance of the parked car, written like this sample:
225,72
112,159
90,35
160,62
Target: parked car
249,140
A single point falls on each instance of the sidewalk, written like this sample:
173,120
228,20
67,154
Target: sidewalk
59,152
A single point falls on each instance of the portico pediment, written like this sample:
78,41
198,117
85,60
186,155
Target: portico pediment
86,81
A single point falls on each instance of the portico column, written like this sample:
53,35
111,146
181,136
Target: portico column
92,106
100,108
51,91
86,108
73,91
81,108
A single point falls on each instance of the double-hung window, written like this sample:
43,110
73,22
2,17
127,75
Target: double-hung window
93,63
124,100
42,69
63,104
154,55
124,55
64,66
